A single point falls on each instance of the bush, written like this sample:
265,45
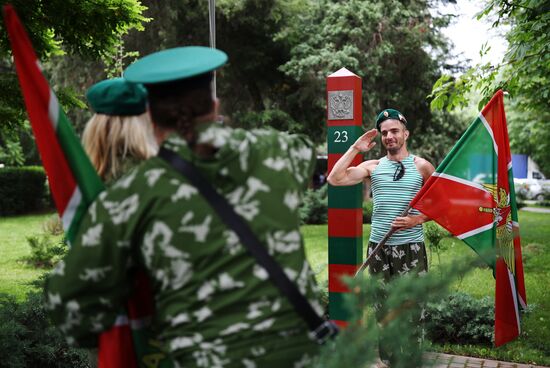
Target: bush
274,117
12,153
45,253
53,225
22,190
27,338
367,211
434,234
314,207
461,319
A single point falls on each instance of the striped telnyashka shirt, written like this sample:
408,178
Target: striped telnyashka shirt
390,198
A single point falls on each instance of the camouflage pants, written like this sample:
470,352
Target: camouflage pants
388,263
395,260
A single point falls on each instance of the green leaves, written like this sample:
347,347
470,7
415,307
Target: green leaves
90,29
28,339
11,154
461,319
524,72
84,27
386,43
400,303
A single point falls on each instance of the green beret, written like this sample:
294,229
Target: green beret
117,97
389,114
175,64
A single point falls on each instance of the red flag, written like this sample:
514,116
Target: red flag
471,194
74,184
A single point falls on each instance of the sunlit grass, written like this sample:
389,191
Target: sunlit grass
532,346
15,275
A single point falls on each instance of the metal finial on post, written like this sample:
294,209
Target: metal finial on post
212,27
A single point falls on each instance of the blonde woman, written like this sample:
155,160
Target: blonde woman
116,138
120,134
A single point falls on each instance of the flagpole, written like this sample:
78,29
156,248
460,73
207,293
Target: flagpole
212,27
381,244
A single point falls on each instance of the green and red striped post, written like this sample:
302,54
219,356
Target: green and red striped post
345,214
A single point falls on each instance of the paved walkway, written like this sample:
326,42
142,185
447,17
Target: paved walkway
536,209
439,360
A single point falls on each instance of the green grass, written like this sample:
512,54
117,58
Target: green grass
15,275
533,345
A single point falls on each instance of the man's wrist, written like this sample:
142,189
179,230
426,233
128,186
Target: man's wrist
420,219
416,220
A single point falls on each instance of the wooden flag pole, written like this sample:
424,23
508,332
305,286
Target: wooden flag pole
381,244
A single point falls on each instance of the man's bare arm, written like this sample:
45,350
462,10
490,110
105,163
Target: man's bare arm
424,167
341,173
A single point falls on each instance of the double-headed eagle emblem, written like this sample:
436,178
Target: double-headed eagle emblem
340,104
502,219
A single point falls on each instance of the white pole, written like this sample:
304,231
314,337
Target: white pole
212,26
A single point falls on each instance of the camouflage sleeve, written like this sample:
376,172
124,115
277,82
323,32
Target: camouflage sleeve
302,157
84,293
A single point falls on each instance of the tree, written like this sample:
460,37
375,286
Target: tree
524,74
251,85
87,28
529,133
281,51
395,46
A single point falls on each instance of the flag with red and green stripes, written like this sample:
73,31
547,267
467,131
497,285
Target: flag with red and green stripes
471,194
74,184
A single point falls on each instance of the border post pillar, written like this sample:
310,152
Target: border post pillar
345,210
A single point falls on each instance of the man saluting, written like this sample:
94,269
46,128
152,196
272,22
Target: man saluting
395,180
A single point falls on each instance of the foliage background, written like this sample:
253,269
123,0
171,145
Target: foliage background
280,53
524,74
90,29
16,279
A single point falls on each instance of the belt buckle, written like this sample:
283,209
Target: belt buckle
324,332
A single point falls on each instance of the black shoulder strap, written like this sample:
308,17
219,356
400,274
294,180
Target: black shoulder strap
320,329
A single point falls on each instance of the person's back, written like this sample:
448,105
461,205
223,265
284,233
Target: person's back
213,300
215,307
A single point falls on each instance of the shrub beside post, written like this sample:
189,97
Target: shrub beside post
461,319
23,190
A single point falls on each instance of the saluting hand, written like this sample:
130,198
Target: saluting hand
365,142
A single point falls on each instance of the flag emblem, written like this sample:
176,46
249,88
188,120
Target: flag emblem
471,194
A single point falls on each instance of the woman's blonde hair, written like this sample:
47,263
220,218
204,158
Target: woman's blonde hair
112,141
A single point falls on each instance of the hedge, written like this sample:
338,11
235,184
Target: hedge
28,338
23,190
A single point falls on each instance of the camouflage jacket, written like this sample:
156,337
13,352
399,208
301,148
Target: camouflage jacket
215,307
